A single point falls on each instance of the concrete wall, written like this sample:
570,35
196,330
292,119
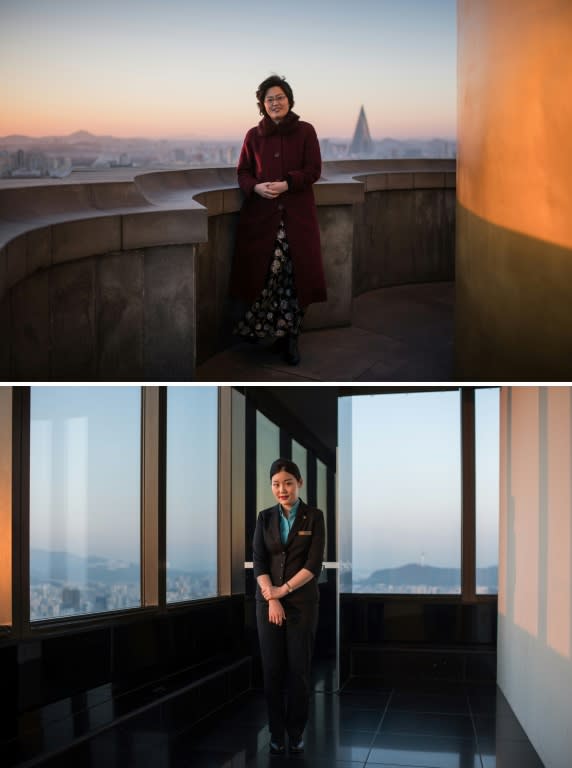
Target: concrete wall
404,236
535,566
130,282
124,316
514,190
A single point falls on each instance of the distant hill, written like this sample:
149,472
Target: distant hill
413,574
20,141
46,567
72,138
83,135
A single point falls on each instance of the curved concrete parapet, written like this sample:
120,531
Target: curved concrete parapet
124,276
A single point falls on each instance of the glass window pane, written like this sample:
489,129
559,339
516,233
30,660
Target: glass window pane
267,451
85,500
487,426
406,493
192,492
300,457
322,494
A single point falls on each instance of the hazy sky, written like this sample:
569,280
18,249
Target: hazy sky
184,68
85,475
406,479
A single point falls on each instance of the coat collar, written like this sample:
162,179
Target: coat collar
267,126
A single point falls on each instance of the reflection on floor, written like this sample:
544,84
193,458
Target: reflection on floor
426,727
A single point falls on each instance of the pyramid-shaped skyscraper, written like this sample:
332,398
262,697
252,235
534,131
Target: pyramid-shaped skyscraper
362,145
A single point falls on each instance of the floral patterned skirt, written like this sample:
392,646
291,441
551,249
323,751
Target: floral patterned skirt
276,311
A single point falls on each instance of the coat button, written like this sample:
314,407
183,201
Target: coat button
277,154
280,207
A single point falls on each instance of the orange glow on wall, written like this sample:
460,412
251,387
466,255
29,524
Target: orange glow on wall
559,555
515,143
5,506
523,513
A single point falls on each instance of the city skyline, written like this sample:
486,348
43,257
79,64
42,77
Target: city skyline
186,71
62,583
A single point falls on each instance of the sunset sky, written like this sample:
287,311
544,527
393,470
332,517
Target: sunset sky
189,68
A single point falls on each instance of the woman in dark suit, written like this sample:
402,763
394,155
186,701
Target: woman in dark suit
277,267
288,549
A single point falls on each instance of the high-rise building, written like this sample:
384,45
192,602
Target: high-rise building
361,144
70,599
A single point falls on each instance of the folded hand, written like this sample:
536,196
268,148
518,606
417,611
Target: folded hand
276,613
271,593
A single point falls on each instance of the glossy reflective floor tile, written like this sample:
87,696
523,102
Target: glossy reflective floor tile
264,760
444,726
338,745
299,761
337,713
360,719
410,749
430,702
232,738
364,700
390,728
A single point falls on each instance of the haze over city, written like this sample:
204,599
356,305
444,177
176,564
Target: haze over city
186,69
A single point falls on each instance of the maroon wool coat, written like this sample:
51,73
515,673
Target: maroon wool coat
287,151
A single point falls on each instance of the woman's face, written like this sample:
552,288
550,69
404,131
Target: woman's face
276,103
285,488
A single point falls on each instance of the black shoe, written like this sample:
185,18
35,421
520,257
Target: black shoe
279,345
276,748
297,746
292,355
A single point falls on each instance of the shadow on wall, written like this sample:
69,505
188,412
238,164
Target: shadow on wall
513,304
538,533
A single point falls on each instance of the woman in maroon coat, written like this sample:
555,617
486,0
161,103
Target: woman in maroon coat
277,267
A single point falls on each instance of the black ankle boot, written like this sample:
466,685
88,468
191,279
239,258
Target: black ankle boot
292,355
279,345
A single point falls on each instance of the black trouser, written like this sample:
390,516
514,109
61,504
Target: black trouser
286,653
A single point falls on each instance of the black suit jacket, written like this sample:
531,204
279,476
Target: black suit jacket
304,548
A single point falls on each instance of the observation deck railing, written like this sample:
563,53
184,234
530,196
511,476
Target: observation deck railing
124,277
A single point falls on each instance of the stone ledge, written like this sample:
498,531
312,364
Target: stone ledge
46,221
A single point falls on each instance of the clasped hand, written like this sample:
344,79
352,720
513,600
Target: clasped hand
272,593
271,189
276,613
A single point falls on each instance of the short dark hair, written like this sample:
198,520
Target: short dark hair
274,81
285,465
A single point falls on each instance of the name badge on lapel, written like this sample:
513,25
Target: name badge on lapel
304,533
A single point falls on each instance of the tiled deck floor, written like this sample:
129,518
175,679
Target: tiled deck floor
397,334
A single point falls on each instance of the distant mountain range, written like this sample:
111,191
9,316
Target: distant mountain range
412,574
72,137
63,567
85,139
